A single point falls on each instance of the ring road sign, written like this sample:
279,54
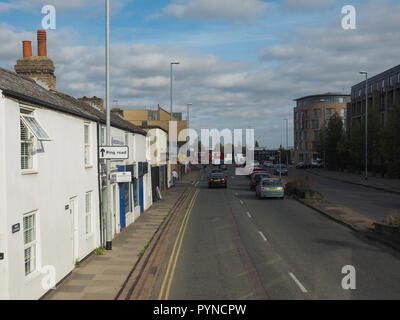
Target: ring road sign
114,153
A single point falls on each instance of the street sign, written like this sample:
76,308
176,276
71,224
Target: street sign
114,153
122,177
16,228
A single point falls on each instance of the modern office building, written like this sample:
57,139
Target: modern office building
383,93
311,114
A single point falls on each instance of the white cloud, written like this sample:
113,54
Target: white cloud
225,93
231,10
61,5
307,4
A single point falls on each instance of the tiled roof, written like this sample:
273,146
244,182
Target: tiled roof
25,89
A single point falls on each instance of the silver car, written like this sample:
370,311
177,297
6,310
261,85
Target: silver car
270,188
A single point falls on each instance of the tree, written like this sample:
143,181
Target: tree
334,135
257,145
320,144
391,143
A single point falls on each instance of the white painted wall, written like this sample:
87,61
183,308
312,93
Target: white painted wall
61,174
4,283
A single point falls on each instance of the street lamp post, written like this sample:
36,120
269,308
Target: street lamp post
188,137
172,63
324,111
108,213
187,116
287,141
366,123
173,146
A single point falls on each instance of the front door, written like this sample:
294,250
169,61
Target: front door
122,212
73,210
141,201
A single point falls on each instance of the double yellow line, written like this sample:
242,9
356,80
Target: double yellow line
169,274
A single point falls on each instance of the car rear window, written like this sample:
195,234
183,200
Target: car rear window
271,183
259,176
218,175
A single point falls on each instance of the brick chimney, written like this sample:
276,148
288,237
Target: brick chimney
40,68
95,102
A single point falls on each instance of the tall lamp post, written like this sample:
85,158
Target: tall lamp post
324,111
108,215
287,141
172,63
170,116
187,115
366,123
188,138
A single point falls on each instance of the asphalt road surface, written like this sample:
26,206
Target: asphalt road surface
237,247
374,204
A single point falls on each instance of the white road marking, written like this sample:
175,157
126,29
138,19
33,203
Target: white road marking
236,194
249,215
263,237
241,202
196,183
298,283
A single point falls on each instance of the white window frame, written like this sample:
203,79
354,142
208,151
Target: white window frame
89,213
29,144
87,144
32,244
24,118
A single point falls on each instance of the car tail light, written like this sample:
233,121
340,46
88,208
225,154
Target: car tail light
210,180
223,180
262,188
254,181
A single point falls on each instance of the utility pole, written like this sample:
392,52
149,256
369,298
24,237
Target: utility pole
108,214
366,123
287,141
325,127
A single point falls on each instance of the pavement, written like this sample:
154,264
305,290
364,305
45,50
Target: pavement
238,247
102,277
384,184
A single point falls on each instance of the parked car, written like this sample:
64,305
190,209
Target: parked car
217,179
270,188
281,169
317,163
256,177
300,165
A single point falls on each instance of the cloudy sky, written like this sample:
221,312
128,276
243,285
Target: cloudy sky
242,61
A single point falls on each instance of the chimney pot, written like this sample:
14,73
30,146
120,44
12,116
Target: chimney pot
42,47
27,49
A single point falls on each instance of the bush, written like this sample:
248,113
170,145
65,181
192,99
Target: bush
302,189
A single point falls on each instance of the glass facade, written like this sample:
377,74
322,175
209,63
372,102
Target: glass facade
323,99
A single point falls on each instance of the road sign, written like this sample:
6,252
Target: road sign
114,153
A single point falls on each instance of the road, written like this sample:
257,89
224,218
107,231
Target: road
237,247
372,203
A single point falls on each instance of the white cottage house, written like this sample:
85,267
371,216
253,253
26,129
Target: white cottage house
49,192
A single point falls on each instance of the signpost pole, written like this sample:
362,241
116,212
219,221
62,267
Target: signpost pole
108,213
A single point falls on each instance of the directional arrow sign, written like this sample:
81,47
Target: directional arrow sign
114,153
